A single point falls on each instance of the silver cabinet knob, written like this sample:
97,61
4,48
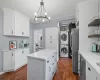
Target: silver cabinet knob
47,61
22,51
50,41
52,63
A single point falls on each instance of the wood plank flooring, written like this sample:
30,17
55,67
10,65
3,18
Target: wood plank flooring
64,72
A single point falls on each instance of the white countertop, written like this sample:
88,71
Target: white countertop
15,49
43,54
92,59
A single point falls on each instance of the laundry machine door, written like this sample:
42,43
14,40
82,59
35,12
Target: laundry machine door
64,37
64,51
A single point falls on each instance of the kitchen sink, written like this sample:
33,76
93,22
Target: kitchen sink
98,63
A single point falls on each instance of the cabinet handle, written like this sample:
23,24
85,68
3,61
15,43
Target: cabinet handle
47,61
22,51
50,37
89,69
22,33
52,63
12,54
55,52
53,56
53,73
12,31
50,41
49,69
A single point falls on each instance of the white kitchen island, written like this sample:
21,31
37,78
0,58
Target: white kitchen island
42,65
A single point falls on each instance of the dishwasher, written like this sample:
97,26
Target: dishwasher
82,68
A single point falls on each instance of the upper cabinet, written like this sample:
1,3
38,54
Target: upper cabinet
15,23
51,33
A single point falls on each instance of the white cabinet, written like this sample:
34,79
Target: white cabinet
18,59
14,59
51,38
8,22
25,53
46,67
51,33
8,60
26,27
98,78
15,23
90,72
51,44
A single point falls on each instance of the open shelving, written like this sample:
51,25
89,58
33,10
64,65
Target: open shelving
94,23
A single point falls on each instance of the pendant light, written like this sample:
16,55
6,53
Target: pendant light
41,15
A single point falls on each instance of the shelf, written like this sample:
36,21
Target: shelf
95,22
94,36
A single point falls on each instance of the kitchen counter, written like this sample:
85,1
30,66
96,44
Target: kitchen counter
43,54
92,59
15,49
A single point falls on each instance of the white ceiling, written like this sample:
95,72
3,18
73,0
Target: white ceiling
55,8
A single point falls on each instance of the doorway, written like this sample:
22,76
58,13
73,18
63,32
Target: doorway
38,40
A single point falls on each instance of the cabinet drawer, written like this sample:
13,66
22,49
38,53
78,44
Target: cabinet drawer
90,72
51,44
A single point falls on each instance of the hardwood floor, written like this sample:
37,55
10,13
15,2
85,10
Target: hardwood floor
64,72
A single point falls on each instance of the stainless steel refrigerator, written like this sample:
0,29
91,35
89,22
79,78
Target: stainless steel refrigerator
74,43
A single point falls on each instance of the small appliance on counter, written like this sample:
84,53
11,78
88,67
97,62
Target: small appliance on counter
95,47
12,45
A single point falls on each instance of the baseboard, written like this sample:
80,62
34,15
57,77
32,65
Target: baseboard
1,73
14,70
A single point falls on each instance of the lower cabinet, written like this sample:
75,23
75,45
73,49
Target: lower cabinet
90,72
42,68
14,59
98,78
82,68
8,60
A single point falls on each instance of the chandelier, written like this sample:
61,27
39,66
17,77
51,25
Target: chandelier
41,15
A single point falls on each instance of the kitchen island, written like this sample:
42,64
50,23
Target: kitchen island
42,65
92,69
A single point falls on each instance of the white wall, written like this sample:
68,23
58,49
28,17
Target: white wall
87,10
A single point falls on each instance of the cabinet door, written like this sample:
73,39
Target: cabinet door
18,22
48,70
90,72
25,27
8,60
18,59
82,68
8,22
51,33
51,44
25,54
98,78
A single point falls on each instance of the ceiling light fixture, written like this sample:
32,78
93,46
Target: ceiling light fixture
41,15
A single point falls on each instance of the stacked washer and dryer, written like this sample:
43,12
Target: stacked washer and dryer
64,49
